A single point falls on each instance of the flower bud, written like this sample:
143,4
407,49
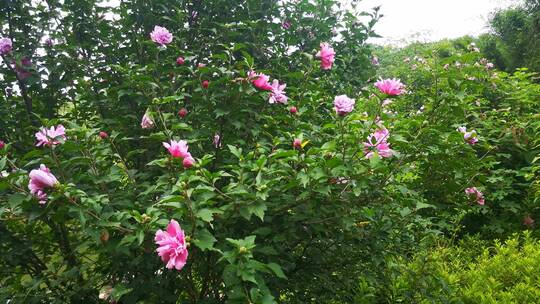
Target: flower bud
103,135
205,84
182,113
180,60
297,143
293,110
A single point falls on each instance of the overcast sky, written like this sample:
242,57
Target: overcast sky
434,19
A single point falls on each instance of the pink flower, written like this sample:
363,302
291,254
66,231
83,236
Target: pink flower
2,144
490,65
446,66
343,105
216,141
286,25
293,110
377,141
260,81
387,102
479,195
277,95
188,162
326,54
41,179
52,136
180,60
183,112
390,87
103,135
172,246
201,65
375,60
177,148
49,42
205,84
22,69
161,35
5,46
297,143
470,137
147,122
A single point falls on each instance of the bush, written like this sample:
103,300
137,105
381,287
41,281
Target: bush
473,271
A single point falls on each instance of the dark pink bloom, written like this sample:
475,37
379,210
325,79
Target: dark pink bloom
479,195
161,35
343,105
103,134
297,143
172,246
183,112
49,42
147,122
188,162
286,25
51,137
277,95
41,179
5,46
390,87
205,84
177,148
293,110
180,60
2,144
378,142
326,54
260,81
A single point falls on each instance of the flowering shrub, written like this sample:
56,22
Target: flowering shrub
200,180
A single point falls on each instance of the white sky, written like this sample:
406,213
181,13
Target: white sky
433,19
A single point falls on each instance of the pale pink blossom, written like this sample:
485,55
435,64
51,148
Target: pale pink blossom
5,46
147,122
377,142
326,54
277,95
477,193
201,65
51,137
446,66
387,102
343,105
172,246
260,81
161,35
375,60
390,87
490,65
177,148
471,137
41,179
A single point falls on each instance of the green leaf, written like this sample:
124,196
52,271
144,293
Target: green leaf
205,215
205,240
277,270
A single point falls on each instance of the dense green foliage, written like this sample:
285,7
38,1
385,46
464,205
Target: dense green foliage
474,271
266,220
515,38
